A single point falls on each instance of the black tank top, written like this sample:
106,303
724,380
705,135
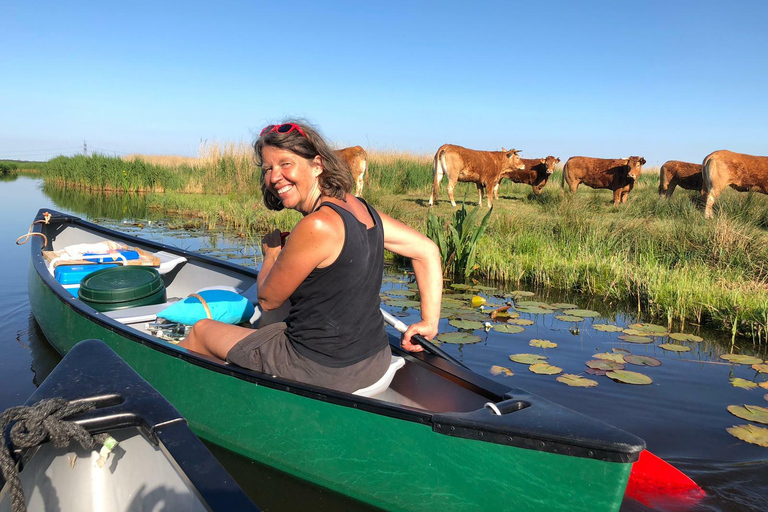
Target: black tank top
335,318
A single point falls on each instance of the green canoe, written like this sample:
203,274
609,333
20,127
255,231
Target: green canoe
439,437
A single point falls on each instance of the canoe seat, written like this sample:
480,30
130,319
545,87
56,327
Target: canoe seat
168,261
383,383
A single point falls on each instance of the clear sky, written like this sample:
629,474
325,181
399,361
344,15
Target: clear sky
668,80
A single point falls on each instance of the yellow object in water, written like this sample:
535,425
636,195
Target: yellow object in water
477,301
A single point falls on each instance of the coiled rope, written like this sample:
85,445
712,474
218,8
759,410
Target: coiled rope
34,425
23,238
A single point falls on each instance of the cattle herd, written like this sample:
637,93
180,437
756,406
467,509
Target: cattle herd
486,169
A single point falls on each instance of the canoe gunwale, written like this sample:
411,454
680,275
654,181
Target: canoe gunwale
544,430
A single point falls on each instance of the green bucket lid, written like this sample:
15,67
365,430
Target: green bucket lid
117,286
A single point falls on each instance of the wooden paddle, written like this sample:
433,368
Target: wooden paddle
421,340
652,481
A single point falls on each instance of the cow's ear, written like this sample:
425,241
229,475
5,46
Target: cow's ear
504,150
642,161
544,160
557,160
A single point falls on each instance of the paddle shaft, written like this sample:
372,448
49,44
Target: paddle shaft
421,340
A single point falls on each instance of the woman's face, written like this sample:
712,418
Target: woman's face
291,178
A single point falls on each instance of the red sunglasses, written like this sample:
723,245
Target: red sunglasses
282,128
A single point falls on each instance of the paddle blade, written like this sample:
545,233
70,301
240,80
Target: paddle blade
659,485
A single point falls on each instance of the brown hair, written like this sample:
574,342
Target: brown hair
336,178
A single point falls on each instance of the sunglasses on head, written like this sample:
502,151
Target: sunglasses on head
282,128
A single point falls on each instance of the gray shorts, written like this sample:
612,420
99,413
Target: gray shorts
268,350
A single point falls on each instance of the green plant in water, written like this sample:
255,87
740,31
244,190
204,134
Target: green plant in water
457,240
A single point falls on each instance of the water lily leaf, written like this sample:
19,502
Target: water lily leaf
482,288
753,413
462,287
620,350
608,356
563,305
569,318
751,434
651,329
527,358
545,369
679,336
532,304
764,385
631,338
403,303
449,312
672,347
738,382
467,325
635,332
642,360
508,329
401,293
451,302
534,310
521,293
607,327
628,377
521,321
762,368
602,364
542,344
576,381
501,370
741,359
586,313
458,337
596,371
472,315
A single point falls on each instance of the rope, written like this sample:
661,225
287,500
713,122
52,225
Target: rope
24,238
34,425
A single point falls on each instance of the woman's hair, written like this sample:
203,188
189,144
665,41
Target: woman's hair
336,178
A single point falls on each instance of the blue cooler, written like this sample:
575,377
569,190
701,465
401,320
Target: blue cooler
69,276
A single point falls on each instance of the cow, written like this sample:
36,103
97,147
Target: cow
483,168
618,174
737,170
674,173
536,173
357,161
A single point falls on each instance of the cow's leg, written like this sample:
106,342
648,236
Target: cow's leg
359,185
451,186
624,196
670,188
480,194
573,185
496,191
712,195
617,196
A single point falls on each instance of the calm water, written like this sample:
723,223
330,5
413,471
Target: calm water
682,415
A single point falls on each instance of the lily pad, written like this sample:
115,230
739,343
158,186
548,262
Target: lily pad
403,303
753,413
586,313
650,329
542,344
631,338
607,327
521,321
462,287
610,356
596,371
576,381
764,385
521,293
508,329
563,305
751,434
401,293
642,360
449,312
741,359
467,325
620,350
680,336
602,364
628,377
458,337
738,382
761,368
569,318
527,358
534,310
672,347
472,315
501,370
545,369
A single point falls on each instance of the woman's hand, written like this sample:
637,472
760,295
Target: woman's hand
271,245
424,328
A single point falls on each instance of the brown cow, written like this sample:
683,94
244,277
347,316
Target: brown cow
618,174
742,172
483,168
357,161
674,173
536,173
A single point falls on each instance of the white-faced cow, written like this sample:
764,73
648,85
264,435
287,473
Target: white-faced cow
617,174
536,173
674,173
726,168
357,161
483,168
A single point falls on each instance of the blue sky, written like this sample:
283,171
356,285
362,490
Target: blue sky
665,80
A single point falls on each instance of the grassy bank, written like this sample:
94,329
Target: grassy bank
661,254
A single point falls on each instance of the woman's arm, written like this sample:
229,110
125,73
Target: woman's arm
425,259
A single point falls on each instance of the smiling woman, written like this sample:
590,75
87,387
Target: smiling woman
329,270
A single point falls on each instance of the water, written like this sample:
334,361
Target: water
682,415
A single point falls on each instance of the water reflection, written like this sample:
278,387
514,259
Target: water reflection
44,356
88,204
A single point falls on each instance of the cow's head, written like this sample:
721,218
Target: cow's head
634,166
550,162
514,162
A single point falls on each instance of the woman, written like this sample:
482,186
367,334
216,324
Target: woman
330,269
